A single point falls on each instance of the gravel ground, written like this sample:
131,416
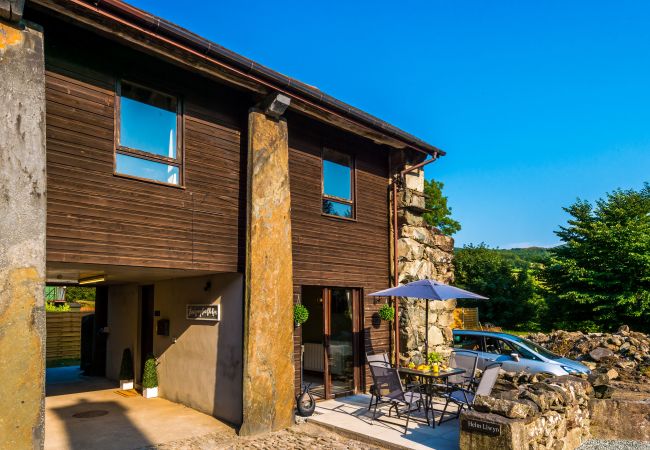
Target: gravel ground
305,436
597,444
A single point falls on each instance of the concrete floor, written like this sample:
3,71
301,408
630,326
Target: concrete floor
350,416
126,423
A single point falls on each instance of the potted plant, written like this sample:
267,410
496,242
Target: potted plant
150,378
387,312
435,359
300,314
126,370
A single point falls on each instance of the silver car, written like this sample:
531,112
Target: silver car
515,353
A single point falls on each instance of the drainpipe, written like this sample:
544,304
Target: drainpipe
397,179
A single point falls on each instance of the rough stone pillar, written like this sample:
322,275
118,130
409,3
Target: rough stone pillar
22,235
268,399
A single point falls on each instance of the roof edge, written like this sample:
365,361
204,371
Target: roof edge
273,80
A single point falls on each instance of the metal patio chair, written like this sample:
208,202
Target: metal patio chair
464,398
389,390
377,357
467,360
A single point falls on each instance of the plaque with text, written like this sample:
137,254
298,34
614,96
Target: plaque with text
204,312
482,427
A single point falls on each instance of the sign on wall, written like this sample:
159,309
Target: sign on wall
203,312
482,427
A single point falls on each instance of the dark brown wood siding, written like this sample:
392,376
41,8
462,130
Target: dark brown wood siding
337,252
97,217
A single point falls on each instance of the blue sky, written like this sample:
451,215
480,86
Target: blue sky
536,103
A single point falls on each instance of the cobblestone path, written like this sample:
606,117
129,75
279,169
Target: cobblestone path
304,436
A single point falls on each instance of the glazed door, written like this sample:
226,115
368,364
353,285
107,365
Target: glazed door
342,313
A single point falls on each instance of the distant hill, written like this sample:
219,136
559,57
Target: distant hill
521,257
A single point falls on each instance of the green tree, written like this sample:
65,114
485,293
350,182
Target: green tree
76,293
600,276
439,213
513,301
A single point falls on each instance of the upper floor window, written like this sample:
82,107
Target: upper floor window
147,140
338,184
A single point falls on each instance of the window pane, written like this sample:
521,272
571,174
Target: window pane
337,175
337,209
148,123
143,168
467,342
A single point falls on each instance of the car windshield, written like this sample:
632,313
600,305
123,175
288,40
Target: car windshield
535,347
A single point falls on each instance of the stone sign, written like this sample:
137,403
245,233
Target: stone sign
479,426
203,312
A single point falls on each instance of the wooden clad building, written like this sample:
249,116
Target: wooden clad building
147,172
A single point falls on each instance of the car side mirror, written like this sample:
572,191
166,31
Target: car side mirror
515,356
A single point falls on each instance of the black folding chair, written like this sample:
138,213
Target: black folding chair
377,357
464,398
389,390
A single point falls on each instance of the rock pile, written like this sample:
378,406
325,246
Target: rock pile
624,356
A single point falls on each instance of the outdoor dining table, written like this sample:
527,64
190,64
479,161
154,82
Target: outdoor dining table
429,378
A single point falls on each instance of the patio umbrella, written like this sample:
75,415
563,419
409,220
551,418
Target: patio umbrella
428,290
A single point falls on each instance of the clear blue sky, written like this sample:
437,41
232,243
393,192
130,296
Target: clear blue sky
536,103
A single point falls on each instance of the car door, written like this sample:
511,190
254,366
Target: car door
498,350
528,361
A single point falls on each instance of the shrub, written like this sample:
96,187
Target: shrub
51,307
387,312
150,375
126,368
300,314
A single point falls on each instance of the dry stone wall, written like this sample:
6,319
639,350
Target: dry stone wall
423,252
549,414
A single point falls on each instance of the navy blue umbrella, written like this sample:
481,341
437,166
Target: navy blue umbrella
429,290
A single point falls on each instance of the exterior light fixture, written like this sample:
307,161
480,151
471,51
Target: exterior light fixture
92,280
275,105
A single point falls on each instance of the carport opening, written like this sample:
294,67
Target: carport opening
190,320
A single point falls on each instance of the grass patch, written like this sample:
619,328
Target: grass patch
64,362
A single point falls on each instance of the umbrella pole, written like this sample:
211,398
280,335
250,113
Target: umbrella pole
426,329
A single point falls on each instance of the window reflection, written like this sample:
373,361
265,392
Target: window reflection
144,168
147,128
148,135
337,184
337,209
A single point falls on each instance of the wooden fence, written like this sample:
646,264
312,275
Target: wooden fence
63,335
466,319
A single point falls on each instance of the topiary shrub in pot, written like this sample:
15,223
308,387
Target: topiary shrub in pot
150,378
126,370
300,314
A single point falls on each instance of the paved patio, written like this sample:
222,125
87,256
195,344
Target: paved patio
350,416
110,421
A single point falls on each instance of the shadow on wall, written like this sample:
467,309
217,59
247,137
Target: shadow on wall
97,425
200,362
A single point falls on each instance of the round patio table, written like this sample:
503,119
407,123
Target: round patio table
429,378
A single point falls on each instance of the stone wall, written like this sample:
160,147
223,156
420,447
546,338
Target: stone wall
423,252
22,232
550,414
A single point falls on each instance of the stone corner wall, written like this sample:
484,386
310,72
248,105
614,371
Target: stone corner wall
423,252
551,413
